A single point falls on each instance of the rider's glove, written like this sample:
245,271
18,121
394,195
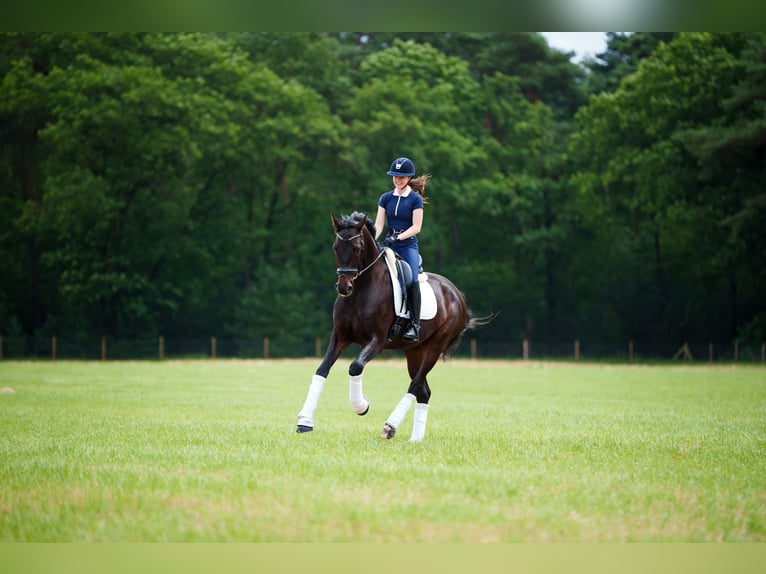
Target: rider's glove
391,239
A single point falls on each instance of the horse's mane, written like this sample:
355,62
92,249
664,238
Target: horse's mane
353,219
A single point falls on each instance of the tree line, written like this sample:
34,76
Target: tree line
181,185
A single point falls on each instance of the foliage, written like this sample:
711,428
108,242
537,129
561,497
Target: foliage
621,58
631,143
181,184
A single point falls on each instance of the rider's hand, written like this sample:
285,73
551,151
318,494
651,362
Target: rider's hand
391,239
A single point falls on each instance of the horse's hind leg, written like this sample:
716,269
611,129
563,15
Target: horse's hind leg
397,416
417,365
419,424
420,361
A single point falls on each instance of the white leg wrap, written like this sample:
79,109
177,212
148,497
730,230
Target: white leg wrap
400,411
419,426
358,402
306,416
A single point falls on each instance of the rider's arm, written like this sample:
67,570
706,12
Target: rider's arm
380,221
417,224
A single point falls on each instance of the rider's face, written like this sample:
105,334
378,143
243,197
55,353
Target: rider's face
400,181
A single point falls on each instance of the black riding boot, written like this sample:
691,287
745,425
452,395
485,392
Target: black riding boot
412,334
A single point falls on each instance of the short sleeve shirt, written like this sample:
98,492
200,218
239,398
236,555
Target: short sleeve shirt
399,209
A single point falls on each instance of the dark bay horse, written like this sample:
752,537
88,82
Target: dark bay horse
363,314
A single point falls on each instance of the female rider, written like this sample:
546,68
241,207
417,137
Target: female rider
401,209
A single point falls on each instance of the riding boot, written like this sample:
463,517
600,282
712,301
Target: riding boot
412,334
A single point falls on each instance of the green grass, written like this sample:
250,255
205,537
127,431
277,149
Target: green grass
204,451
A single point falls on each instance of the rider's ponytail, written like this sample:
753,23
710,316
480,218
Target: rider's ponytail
419,185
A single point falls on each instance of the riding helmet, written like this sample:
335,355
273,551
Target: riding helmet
402,166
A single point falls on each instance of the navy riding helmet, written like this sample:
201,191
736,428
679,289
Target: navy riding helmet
402,166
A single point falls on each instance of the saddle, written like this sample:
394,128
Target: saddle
401,273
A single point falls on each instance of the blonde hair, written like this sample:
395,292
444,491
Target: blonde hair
419,185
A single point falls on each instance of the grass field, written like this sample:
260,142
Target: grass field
206,451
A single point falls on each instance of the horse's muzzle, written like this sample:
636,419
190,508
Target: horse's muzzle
344,286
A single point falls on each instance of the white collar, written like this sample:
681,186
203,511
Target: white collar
407,191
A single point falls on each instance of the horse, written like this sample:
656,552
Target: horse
364,313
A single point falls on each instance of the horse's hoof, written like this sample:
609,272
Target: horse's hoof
303,428
388,431
367,410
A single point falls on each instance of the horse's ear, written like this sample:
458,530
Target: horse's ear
360,223
335,221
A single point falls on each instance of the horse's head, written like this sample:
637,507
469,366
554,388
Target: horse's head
350,249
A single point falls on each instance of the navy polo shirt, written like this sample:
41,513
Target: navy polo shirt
399,209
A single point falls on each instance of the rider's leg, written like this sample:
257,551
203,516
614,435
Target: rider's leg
412,333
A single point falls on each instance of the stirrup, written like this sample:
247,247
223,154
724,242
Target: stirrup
412,334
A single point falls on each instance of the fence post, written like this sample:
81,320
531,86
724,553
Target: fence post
710,352
265,347
474,349
763,350
736,351
525,347
684,352
53,348
162,347
1,348
213,347
577,349
630,350
318,347
103,347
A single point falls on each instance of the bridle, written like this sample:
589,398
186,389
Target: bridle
353,273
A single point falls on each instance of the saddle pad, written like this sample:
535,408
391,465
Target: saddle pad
427,295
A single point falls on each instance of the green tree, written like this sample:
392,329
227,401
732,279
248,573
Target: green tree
623,53
730,150
315,60
416,102
168,167
118,193
544,74
25,63
643,182
514,238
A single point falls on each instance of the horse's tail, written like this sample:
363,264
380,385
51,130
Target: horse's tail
471,322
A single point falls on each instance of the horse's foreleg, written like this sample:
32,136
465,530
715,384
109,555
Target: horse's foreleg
359,402
306,415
